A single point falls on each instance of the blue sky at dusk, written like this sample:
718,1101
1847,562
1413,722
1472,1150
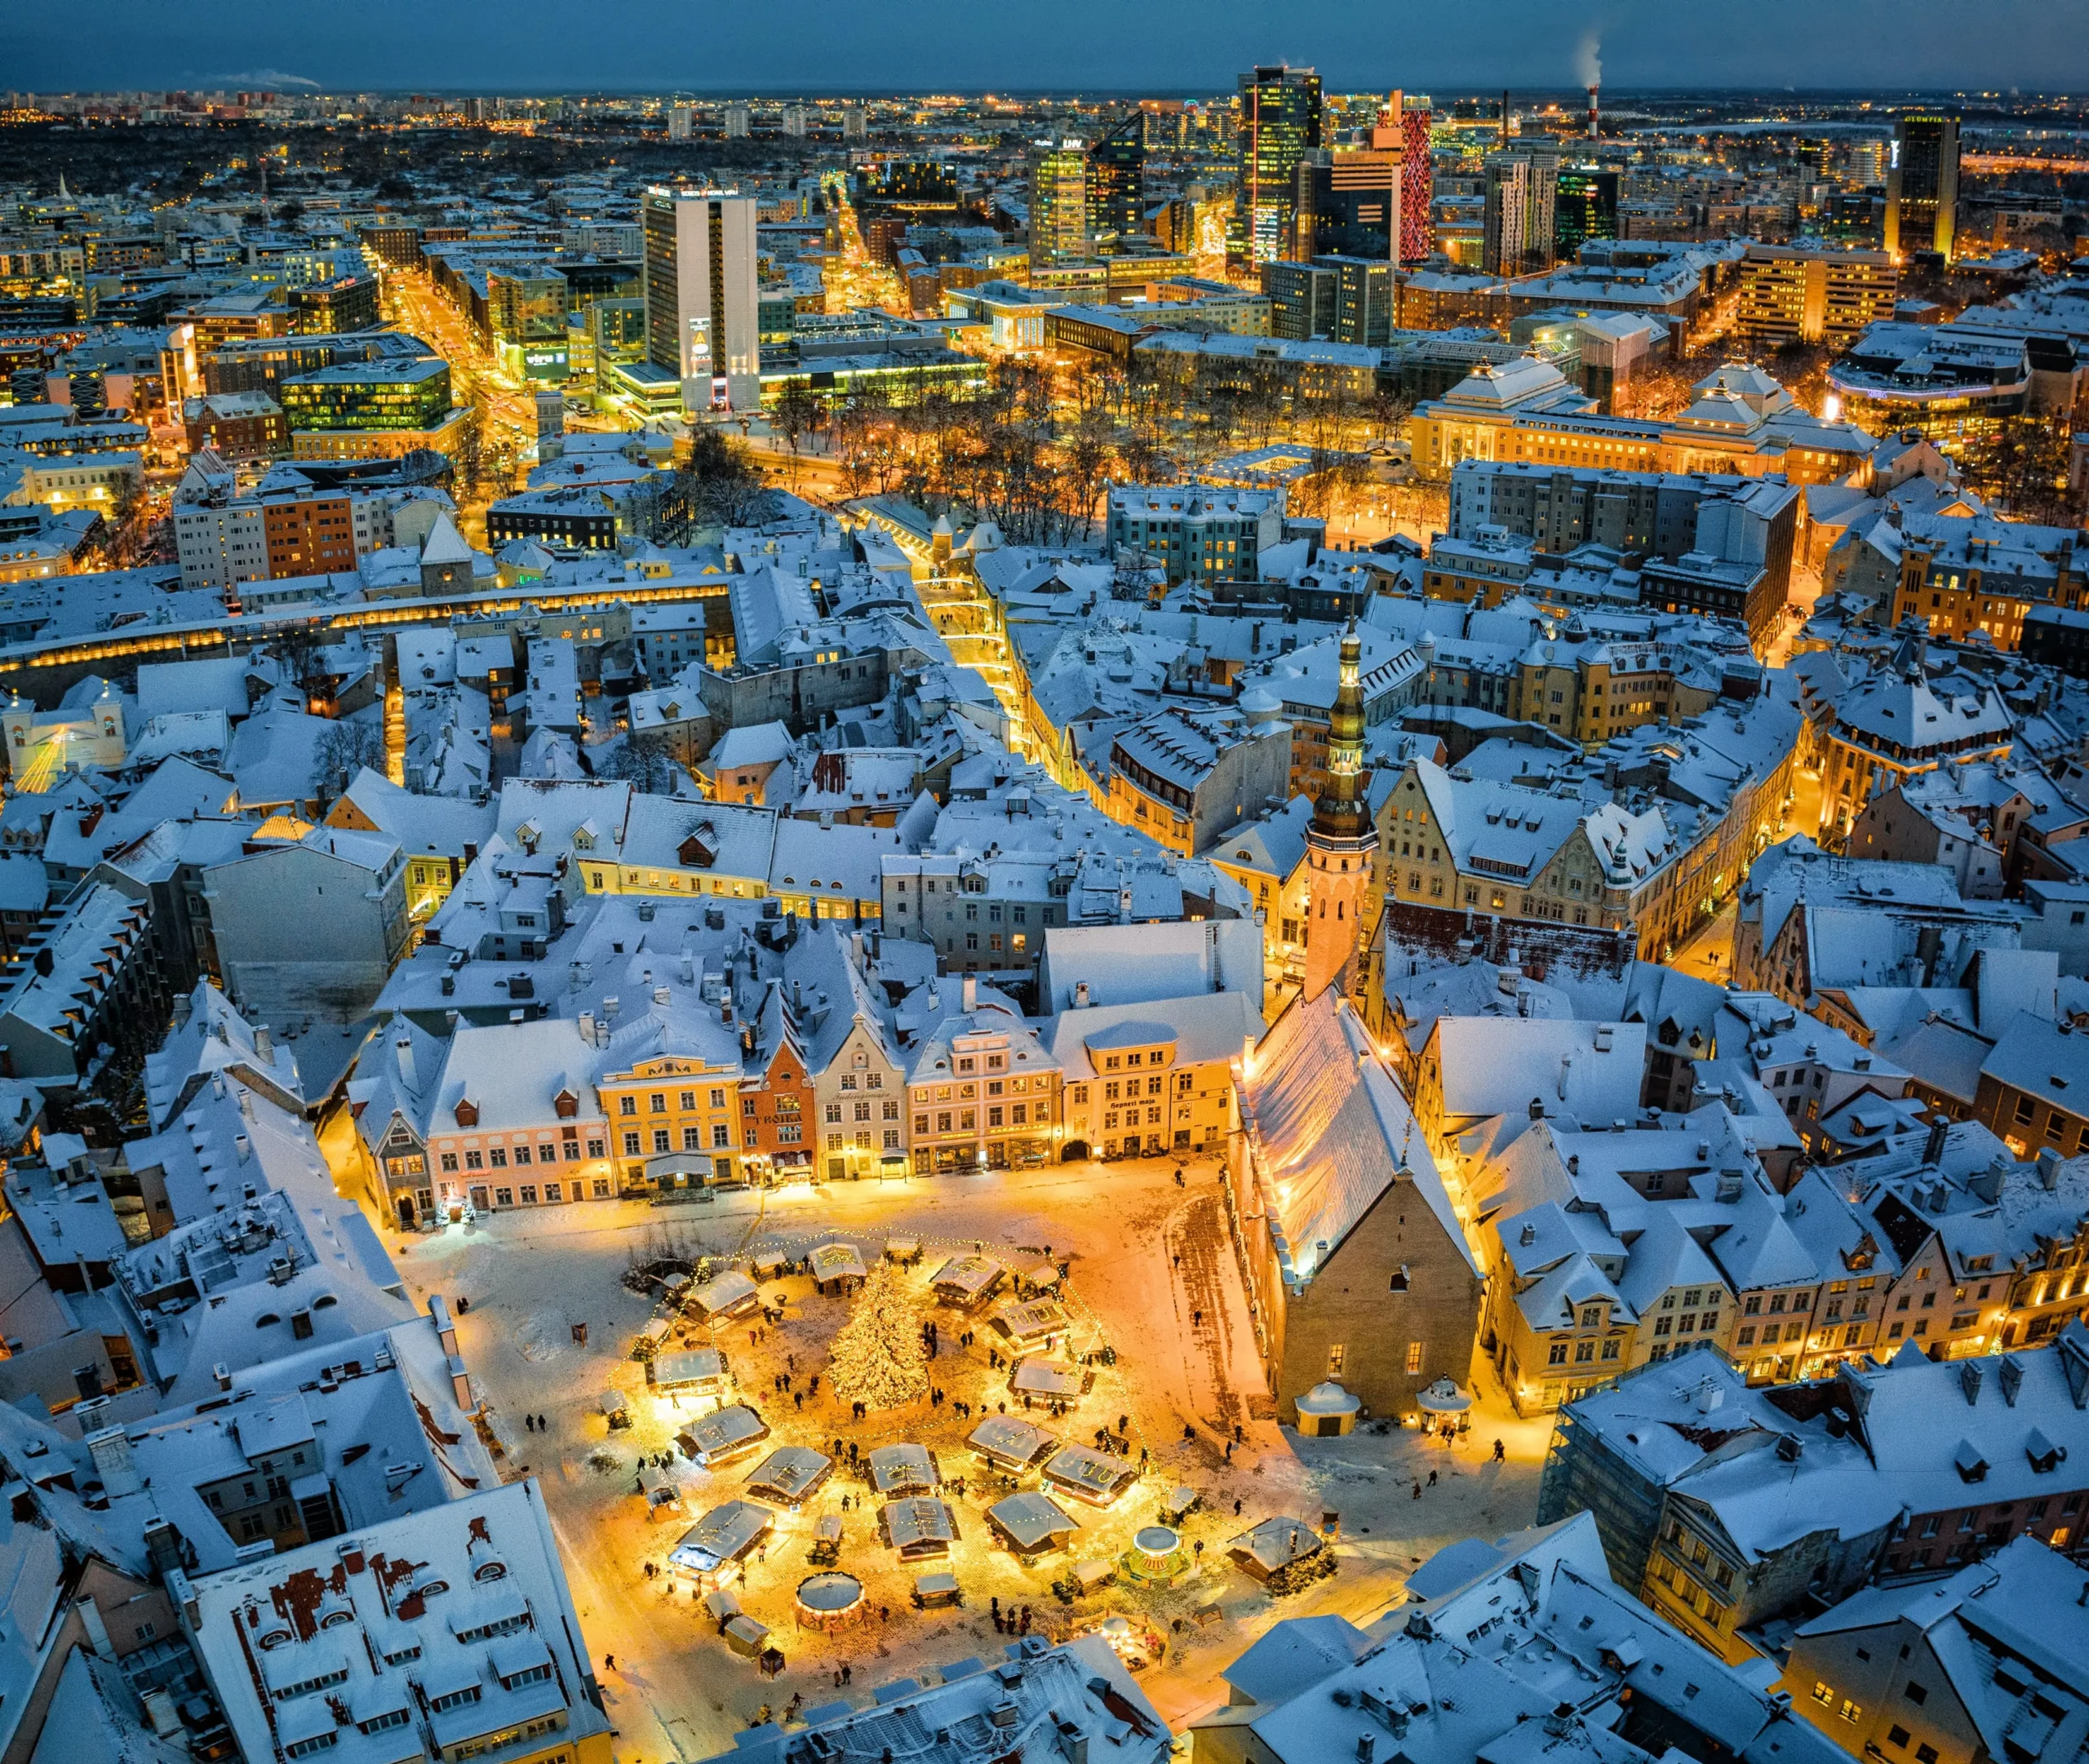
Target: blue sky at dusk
701,45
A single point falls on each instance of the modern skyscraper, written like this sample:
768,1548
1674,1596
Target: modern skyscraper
1922,186
1584,206
1342,838
703,310
1521,193
1346,201
1279,125
1417,181
1116,181
1058,200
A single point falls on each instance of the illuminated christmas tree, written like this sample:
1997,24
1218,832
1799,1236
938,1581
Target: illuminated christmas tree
877,1356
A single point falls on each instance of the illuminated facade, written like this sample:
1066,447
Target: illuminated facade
1341,840
1116,181
1790,294
369,395
1921,187
702,296
1058,200
1280,123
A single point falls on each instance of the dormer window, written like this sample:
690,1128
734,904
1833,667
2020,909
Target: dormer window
466,1112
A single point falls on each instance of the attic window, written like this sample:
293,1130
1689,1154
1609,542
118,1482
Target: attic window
275,1639
266,1320
324,1301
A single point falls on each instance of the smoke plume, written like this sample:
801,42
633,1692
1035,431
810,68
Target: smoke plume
1588,58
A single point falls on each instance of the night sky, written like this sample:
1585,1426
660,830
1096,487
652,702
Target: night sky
1157,45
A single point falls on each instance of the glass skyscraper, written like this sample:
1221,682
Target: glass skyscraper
1279,125
1922,186
1584,206
1116,181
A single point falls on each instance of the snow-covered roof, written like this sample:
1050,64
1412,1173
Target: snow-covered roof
1332,1134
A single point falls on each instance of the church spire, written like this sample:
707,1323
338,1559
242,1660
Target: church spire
1342,812
1342,841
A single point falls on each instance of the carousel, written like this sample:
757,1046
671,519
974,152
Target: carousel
1157,1557
829,1600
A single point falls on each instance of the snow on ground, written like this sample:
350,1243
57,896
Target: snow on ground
1151,1273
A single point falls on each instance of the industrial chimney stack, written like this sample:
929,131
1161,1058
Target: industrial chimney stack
1595,114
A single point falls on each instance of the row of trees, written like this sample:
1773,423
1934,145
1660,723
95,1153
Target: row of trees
1034,450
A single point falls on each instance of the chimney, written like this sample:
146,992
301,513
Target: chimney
1366,1747
403,1048
97,1630
1933,1146
460,1383
264,1043
1596,113
111,1449
2048,1169
162,1545
438,1314
971,993
1081,994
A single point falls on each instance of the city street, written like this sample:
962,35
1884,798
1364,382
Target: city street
1151,1275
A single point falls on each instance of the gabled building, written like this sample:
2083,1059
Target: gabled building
1358,1272
1726,1508
1982,1667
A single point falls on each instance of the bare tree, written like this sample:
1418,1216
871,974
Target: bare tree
348,746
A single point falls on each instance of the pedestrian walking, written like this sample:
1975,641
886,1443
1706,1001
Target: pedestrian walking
1499,1454
1432,1479
1418,1490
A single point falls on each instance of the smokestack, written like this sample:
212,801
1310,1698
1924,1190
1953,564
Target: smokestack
1595,112
1504,118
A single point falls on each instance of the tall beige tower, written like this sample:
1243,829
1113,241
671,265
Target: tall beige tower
1340,843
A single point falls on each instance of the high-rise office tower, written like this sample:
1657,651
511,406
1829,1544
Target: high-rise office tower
1517,222
1116,181
1584,206
702,311
1058,200
1922,186
1279,125
1417,181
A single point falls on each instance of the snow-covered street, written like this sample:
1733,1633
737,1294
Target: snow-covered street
1151,1274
